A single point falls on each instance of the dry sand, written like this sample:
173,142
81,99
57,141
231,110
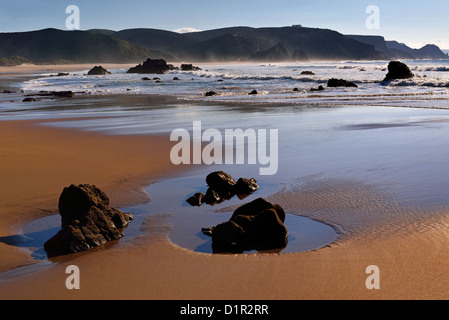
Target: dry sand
37,162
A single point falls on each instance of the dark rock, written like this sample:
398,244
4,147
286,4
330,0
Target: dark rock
8,91
28,100
244,187
175,78
222,183
340,83
98,70
320,88
258,225
212,197
210,94
87,221
295,89
221,187
253,92
196,200
63,94
189,67
398,70
158,66
309,73
146,79
62,74
258,205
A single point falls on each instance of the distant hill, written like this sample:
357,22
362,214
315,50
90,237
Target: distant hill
221,45
396,50
53,46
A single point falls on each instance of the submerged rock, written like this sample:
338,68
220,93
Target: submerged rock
258,225
87,221
320,88
332,83
210,94
98,70
309,73
398,70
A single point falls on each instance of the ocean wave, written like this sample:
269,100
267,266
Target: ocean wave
440,69
420,83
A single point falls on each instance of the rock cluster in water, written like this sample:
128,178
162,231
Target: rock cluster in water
257,225
87,221
221,187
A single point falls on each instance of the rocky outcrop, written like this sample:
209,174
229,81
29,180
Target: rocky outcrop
333,83
189,67
158,66
221,187
97,71
87,221
258,225
398,70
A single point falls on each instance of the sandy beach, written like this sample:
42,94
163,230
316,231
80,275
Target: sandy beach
37,162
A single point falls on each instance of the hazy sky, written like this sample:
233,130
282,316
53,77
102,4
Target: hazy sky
410,21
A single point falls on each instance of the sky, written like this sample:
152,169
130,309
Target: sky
413,22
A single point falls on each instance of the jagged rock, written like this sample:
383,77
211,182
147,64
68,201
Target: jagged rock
245,187
98,70
196,200
158,66
87,221
222,183
258,225
340,83
398,70
212,197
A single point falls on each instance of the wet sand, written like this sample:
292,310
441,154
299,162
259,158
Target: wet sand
409,243
37,162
